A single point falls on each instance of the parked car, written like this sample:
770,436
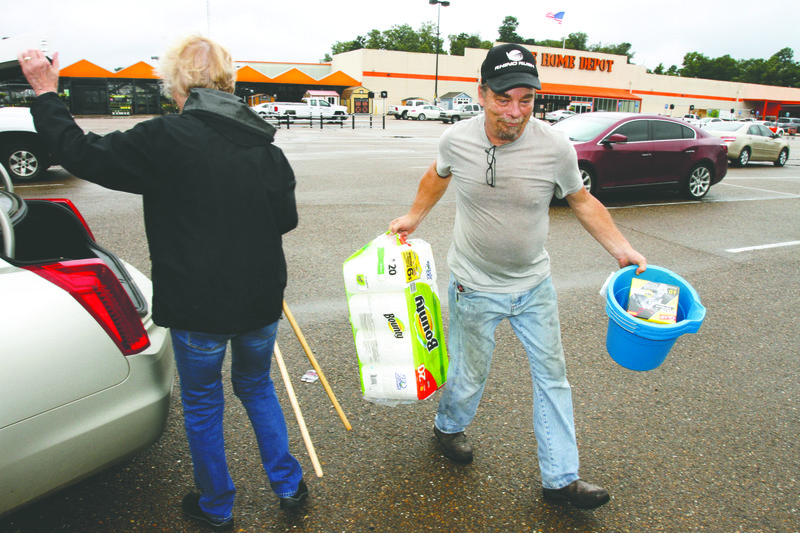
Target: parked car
772,126
558,115
23,154
706,121
748,141
790,125
87,375
460,112
618,151
425,112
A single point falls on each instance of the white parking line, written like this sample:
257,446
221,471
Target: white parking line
763,247
762,190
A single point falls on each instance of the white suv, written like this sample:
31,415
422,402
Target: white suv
21,150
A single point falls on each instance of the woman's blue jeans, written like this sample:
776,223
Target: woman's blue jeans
199,358
474,317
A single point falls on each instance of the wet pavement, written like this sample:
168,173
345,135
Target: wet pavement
707,442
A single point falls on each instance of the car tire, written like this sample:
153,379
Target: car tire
455,119
782,158
421,116
744,157
698,182
589,179
24,161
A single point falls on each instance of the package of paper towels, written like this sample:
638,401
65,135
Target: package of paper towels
397,319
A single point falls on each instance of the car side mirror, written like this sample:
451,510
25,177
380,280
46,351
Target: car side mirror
615,138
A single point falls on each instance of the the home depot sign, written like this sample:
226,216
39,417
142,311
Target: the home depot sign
567,61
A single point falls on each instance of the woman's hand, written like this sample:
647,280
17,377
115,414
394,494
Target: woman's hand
40,73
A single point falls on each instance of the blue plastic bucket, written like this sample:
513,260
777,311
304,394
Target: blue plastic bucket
635,343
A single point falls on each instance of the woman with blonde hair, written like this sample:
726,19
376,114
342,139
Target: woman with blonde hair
217,196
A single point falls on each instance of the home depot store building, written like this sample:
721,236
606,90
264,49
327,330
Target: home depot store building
592,81
603,82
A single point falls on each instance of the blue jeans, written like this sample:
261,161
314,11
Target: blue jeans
199,358
533,315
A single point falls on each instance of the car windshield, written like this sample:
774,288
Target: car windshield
584,127
724,126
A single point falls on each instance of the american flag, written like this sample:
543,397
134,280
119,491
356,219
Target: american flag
558,17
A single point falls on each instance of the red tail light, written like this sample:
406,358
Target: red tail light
98,290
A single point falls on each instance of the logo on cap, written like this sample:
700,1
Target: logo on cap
514,55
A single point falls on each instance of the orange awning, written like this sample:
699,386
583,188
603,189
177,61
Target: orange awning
139,71
295,76
584,90
338,78
248,73
85,69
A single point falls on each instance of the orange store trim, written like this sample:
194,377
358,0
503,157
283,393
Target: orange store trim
584,90
681,95
547,88
401,75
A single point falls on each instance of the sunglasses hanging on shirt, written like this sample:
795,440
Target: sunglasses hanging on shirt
490,160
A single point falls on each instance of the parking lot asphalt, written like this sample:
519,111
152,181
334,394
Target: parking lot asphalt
707,442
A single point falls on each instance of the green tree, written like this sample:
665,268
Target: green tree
348,46
552,43
576,41
375,40
695,65
621,49
782,70
508,31
462,41
429,43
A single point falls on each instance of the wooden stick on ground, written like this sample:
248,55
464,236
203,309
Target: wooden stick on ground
316,366
297,413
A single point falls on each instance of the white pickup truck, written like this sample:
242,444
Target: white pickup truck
461,112
308,108
410,105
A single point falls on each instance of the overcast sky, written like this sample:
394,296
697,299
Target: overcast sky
119,34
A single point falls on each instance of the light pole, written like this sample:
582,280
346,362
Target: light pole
438,4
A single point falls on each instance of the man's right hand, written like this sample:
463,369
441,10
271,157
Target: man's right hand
404,225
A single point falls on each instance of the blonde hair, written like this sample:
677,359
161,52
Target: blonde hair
197,62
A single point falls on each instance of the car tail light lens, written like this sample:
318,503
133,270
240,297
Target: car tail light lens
728,140
99,291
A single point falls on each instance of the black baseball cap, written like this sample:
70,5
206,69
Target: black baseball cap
509,65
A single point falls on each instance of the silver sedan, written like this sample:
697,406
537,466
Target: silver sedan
86,375
748,141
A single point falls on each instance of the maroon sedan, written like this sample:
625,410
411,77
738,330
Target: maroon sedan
622,151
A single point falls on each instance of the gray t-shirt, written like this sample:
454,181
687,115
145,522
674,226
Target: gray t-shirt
499,232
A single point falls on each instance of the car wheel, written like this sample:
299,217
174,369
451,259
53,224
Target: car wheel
744,157
455,119
698,183
421,116
24,162
782,158
589,180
